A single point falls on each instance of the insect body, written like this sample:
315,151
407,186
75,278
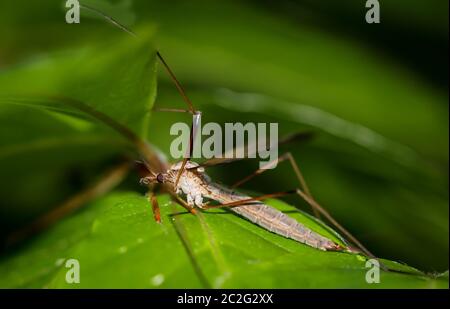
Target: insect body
197,186
189,179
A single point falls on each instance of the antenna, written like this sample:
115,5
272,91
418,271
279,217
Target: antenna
166,66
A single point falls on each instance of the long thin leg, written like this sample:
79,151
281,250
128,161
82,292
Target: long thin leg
177,83
103,185
151,197
310,201
108,18
155,206
158,54
183,203
194,127
298,173
171,110
250,200
330,218
195,123
192,136
228,156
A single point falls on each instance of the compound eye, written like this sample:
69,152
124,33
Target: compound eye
160,178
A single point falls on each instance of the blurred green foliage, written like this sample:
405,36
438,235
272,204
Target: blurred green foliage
376,96
120,247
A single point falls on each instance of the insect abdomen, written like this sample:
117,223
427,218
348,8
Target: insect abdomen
272,219
279,223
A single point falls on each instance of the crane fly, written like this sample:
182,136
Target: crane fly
189,185
197,186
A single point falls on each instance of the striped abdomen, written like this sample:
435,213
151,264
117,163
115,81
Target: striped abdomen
271,219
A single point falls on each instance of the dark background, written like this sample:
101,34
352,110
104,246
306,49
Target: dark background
390,77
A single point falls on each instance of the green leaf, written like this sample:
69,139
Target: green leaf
118,244
389,187
120,83
40,133
300,62
390,196
379,162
